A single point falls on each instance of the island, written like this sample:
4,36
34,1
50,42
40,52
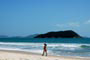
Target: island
59,34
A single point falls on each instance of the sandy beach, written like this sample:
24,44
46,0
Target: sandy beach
21,55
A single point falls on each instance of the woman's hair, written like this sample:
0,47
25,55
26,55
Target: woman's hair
45,44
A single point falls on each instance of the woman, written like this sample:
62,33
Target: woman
44,49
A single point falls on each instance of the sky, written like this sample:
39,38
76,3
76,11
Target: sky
26,17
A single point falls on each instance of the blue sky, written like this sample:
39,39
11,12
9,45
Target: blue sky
25,17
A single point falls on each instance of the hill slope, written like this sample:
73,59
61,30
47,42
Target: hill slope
59,34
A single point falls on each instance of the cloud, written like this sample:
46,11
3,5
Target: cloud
74,24
87,22
70,24
60,25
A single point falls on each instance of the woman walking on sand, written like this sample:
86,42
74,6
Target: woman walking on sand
44,49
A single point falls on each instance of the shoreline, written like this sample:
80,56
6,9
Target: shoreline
17,55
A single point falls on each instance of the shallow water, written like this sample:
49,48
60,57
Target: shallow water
59,47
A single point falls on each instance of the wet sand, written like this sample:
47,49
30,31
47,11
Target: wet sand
21,55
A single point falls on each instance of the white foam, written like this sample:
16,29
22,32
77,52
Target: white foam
41,44
22,44
37,47
62,46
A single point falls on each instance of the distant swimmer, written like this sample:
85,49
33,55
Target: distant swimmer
44,49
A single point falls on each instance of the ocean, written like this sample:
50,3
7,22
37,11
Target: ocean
79,47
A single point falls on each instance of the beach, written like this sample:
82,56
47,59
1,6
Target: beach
32,49
21,55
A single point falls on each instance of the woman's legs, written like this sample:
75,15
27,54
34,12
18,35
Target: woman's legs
46,53
43,53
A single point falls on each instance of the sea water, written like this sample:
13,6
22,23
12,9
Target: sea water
56,46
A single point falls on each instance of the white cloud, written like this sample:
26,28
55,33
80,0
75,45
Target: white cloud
74,24
71,24
60,25
87,22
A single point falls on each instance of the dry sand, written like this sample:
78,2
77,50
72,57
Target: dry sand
21,55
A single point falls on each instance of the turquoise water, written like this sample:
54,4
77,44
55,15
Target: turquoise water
47,40
56,46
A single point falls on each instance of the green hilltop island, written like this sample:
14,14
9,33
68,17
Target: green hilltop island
59,34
